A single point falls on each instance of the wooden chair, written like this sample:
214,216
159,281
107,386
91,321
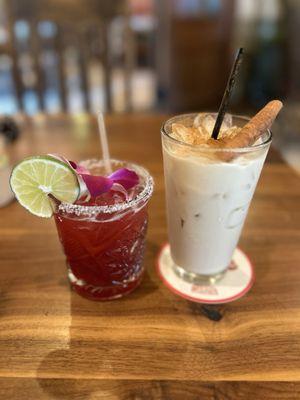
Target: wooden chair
193,54
78,23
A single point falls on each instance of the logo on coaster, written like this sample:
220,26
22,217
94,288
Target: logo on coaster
204,289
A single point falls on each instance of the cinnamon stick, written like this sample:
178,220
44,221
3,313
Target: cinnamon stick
257,126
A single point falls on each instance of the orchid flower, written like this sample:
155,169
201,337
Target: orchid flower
98,185
121,180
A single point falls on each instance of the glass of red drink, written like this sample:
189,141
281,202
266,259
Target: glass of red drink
104,238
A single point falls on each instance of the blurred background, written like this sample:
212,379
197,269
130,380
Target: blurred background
75,56
144,55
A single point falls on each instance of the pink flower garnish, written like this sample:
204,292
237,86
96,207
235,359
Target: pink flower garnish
125,177
97,185
79,168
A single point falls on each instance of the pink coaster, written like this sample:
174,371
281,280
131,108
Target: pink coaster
237,281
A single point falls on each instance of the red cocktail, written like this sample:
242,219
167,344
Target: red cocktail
104,238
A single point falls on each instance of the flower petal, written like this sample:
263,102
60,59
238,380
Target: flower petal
79,168
119,188
125,177
97,185
60,158
121,180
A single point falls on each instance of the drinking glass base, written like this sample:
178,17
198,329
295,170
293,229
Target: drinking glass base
224,287
103,293
198,278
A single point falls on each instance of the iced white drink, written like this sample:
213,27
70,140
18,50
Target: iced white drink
208,193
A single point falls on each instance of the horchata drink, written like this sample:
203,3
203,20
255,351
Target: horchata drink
101,219
209,186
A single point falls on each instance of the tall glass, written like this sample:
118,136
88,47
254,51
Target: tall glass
207,199
104,245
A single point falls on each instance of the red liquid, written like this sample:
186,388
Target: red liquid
104,257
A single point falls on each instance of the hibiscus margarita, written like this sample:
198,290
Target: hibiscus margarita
101,219
104,238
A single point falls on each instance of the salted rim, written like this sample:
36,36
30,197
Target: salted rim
214,149
144,194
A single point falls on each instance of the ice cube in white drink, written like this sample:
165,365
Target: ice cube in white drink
207,203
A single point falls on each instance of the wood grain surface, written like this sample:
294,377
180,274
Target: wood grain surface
97,389
151,344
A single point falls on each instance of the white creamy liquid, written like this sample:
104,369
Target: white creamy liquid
207,203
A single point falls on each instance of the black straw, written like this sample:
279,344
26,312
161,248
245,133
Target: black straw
227,93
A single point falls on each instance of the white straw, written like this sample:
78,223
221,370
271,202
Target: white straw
104,143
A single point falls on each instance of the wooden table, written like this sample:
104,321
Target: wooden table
151,344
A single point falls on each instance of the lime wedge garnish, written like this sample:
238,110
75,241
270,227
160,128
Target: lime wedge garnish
34,178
